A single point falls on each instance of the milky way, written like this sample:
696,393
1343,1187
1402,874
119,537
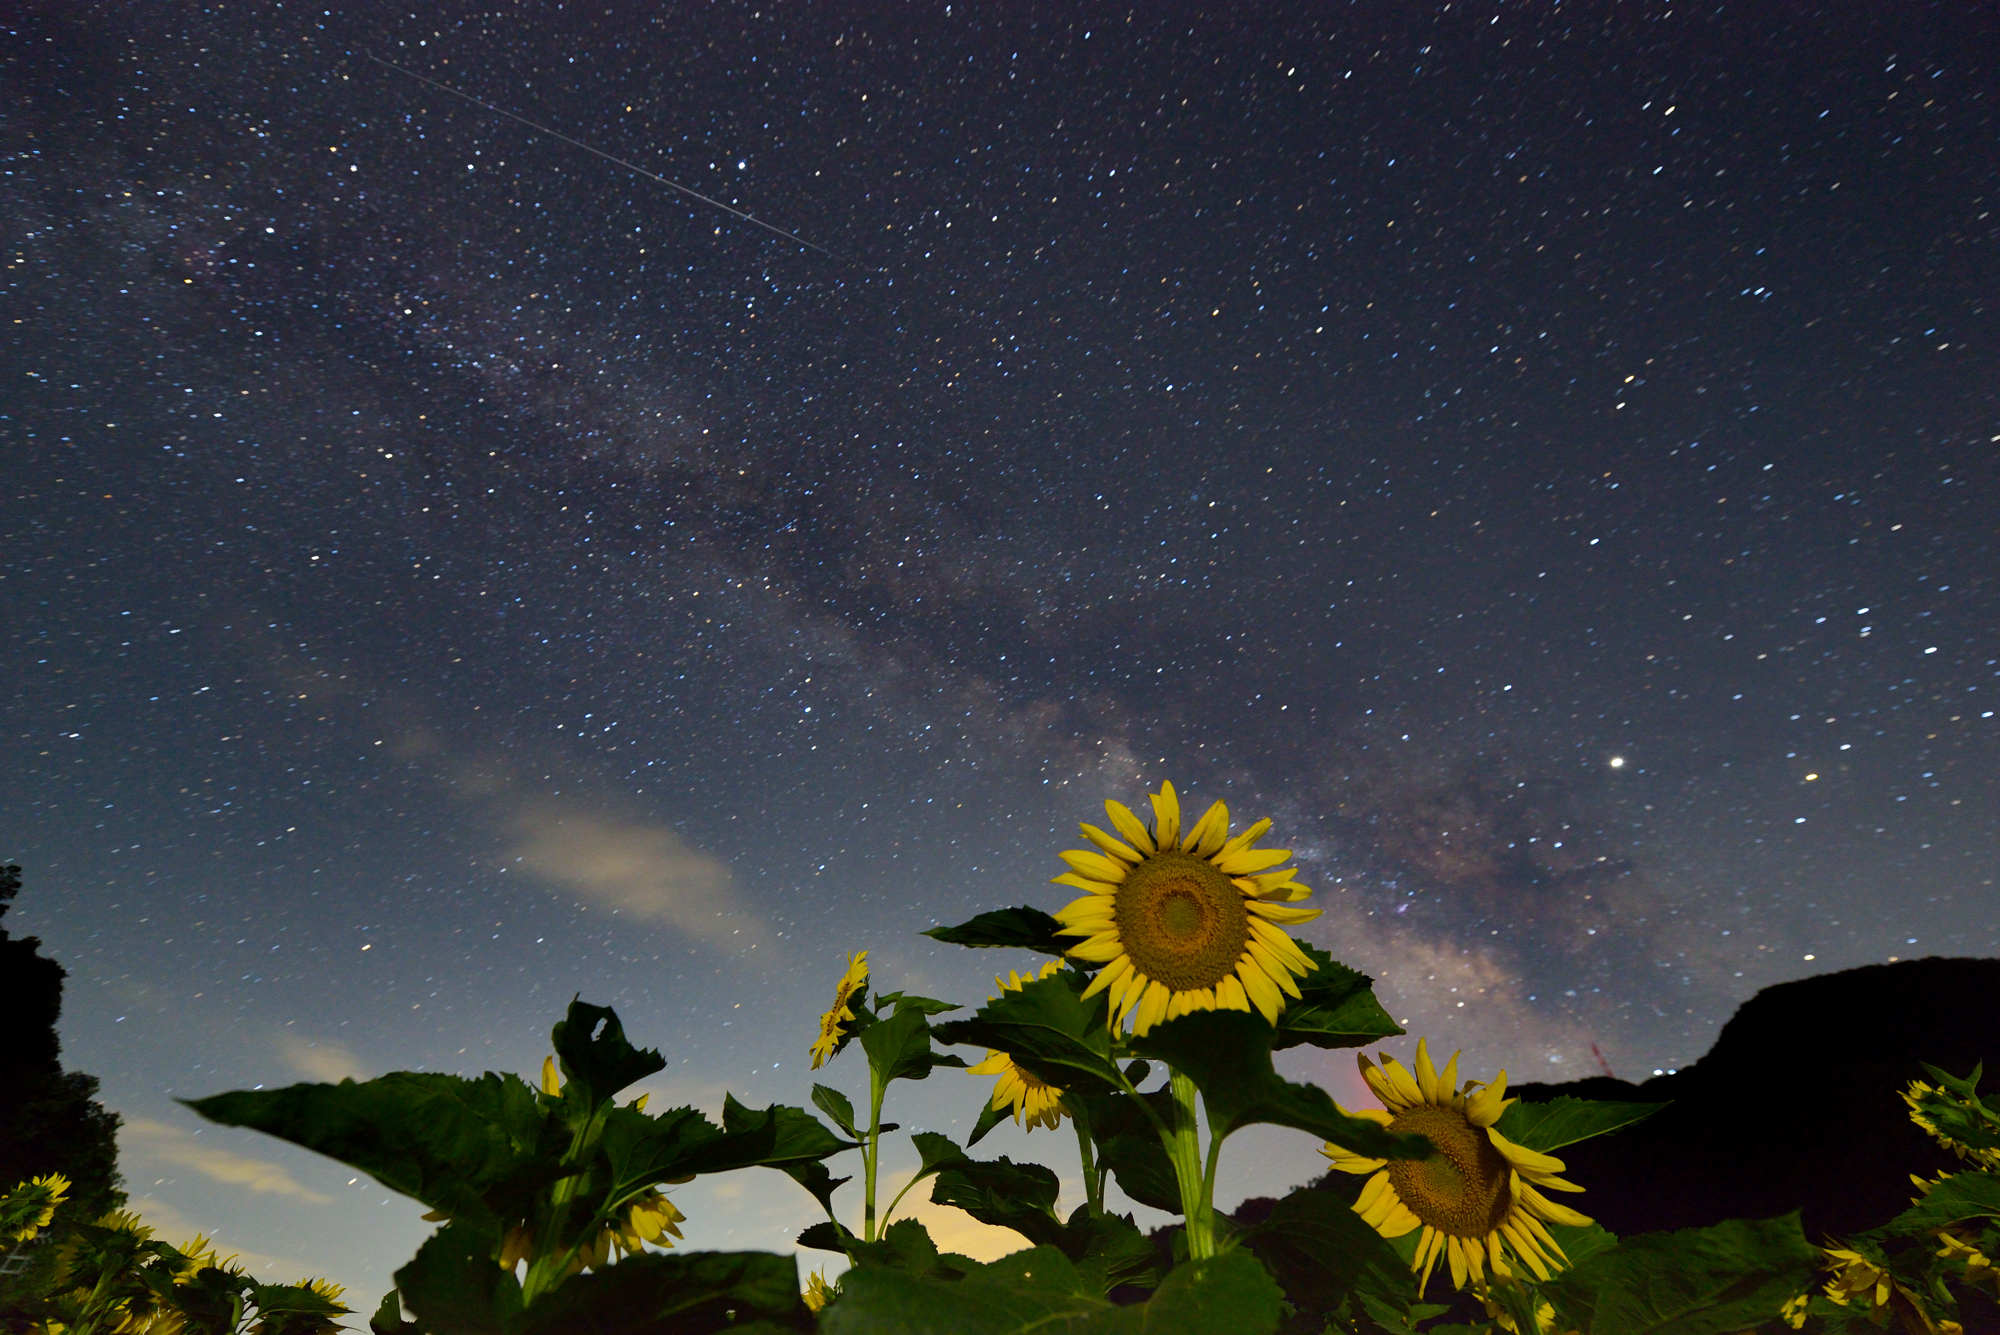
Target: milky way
1543,457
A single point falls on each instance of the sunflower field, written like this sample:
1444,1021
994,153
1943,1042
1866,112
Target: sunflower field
1171,981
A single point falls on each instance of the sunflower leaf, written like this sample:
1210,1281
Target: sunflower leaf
1336,1008
475,1150
1109,1250
1323,1255
454,1286
1224,1295
835,1105
1034,1290
1228,1056
1048,1029
691,1292
1021,928
1564,1121
1005,1194
989,1117
595,1056
937,1151
1129,1146
1700,1281
1960,1197
899,1048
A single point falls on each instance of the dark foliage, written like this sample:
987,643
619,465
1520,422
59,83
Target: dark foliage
50,1120
1796,1107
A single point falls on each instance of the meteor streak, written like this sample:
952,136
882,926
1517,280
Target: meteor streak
578,143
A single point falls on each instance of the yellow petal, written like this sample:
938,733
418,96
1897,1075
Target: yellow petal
1525,1160
1129,825
1547,1209
1448,1080
1152,1007
1166,816
551,1084
1095,866
1274,968
1401,1081
1250,860
1427,1076
1101,949
1209,833
1263,993
1229,994
1095,887
1248,837
1283,913
1111,844
1110,974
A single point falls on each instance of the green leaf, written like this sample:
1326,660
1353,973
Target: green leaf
904,1001
899,1048
1959,1197
1546,1127
1580,1242
476,1150
1699,1281
835,1105
1048,1029
1006,1194
1022,928
388,1318
454,1286
590,1044
1336,1008
1224,1295
1030,1291
1323,1254
989,1117
1228,1056
1108,1250
936,1151
796,1135
676,1293
1130,1147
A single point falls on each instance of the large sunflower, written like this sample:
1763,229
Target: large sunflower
1184,923
1041,1101
1477,1199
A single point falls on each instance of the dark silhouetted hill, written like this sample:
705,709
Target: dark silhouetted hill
1797,1106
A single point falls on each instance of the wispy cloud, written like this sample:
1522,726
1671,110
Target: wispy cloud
645,872
329,1063
169,1146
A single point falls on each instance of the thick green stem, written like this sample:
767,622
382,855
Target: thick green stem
1093,1181
871,1156
1184,1149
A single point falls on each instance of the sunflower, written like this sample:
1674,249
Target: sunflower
1184,923
1040,1100
818,1292
840,1012
1478,1199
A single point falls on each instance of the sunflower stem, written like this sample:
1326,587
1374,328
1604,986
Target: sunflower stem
872,1155
1184,1149
1093,1181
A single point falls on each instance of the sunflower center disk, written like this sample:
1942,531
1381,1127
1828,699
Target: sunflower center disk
1460,1190
1182,921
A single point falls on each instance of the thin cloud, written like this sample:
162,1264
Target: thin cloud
646,873
327,1063
159,1143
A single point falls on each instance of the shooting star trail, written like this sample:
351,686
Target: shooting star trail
628,166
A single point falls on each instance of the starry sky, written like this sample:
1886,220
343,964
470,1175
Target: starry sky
1543,456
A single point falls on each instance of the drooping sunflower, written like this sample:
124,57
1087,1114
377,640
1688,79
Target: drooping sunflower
1184,923
1041,1101
1479,1198
840,1012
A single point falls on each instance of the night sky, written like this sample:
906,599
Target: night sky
1541,455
